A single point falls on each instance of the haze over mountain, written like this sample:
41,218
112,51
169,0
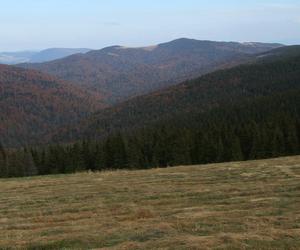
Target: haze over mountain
122,72
38,56
34,104
16,57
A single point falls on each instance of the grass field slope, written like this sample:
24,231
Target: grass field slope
239,205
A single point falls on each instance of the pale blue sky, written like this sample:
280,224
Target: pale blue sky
39,24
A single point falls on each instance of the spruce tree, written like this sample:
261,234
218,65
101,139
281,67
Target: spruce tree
3,162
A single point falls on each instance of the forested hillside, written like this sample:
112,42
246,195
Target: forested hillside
122,72
192,98
33,105
249,112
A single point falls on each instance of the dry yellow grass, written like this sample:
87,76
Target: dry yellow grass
241,205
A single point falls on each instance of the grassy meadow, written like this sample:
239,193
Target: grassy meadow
240,205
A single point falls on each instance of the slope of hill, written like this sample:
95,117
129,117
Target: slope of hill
33,104
38,56
259,128
197,96
239,205
123,72
279,54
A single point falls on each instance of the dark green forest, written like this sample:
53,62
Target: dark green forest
263,127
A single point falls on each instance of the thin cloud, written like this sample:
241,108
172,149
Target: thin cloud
112,24
281,6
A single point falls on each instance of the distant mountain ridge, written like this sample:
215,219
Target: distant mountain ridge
55,54
122,72
38,56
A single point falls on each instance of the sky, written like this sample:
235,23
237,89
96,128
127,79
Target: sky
40,24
